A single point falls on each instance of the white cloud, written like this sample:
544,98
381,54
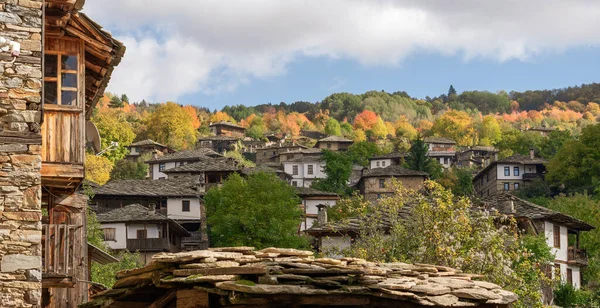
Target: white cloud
213,45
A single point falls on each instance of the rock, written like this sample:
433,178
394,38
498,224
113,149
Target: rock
10,18
486,285
287,251
453,283
396,284
443,300
194,255
268,279
15,262
506,297
201,278
267,255
269,289
232,249
476,293
430,289
329,261
221,271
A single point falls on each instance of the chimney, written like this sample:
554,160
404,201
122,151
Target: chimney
509,207
531,153
322,215
152,209
495,156
154,155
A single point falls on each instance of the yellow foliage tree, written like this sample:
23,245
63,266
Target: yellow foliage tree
221,116
194,115
359,135
170,124
97,168
378,129
405,129
456,125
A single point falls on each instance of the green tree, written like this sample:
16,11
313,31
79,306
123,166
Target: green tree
126,169
333,127
257,129
451,94
360,152
115,102
553,143
418,160
347,130
170,124
124,98
576,166
490,132
114,127
260,210
458,180
338,167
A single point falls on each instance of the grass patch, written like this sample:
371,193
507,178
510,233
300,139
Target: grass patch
245,282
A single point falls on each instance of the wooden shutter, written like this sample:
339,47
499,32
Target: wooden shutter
141,234
556,233
570,276
109,234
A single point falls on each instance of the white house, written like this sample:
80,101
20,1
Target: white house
442,150
311,199
158,164
386,160
555,226
138,228
304,170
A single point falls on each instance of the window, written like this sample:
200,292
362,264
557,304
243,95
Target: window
329,145
378,196
570,276
506,186
161,167
445,160
295,183
556,234
377,164
383,163
516,186
60,78
295,170
141,234
507,171
516,171
310,169
381,183
557,269
109,234
185,205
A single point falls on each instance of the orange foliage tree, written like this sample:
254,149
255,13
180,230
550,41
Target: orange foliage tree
365,120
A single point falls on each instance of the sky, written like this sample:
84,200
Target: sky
213,53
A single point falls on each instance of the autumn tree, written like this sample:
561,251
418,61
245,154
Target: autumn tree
194,115
114,128
365,120
489,131
405,129
170,124
97,168
378,130
257,128
457,125
333,127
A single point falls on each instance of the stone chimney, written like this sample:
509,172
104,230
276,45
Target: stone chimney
531,153
152,209
509,207
154,155
322,215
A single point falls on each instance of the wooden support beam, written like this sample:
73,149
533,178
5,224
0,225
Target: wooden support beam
192,299
88,40
165,300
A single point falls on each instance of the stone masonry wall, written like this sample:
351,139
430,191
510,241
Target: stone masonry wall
20,161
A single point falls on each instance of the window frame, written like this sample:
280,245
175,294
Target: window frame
570,276
185,203
295,170
381,183
506,170
516,171
516,185
506,186
556,236
141,231
107,238
383,163
310,169
58,79
161,167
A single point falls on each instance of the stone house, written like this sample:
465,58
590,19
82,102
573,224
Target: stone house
47,92
304,170
443,150
477,157
561,231
311,200
220,143
271,154
374,183
334,143
148,146
210,171
158,164
135,227
223,128
386,160
508,174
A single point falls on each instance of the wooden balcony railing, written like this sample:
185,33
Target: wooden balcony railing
531,176
148,244
577,256
57,246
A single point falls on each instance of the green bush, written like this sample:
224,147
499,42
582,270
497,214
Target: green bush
567,296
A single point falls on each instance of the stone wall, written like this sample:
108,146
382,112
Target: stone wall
20,160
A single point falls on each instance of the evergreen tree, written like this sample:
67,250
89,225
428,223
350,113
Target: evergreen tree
115,102
124,98
418,159
452,94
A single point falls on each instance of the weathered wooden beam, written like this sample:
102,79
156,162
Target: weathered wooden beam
88,40
165,300
192,299
57,282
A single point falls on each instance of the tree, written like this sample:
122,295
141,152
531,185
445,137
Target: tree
360,152
405,129
170,124
127,169
365,120
379,130
458,180
576,166
418,160
451,94
553,143
456,125
333,127
338,167
257,129
116,102
260,211
124,98
489,132
97,168
347,130
359,135
114,127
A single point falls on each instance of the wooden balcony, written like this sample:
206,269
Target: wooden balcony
149,244
577,256
532,176
57,255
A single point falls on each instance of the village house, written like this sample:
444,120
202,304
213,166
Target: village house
304,170
265,169
270,154
374,183
158,164
386,160
443,150
148,146
220,143
210,172
179,199
477,157
561,231
334,143
508,174
137,228
311,200
223,128
286,156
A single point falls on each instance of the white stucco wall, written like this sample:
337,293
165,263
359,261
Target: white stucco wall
303,179
332,244
120,241
380,163
157,174
576,276
174,208
500,172
559,254
311,205
151,230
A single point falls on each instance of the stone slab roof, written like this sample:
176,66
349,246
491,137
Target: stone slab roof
206,165
389,155
515,159
305,159
288,277
523,208
219,138
179,187
261,168
440,140
311,192
225,123
188,155
335,139
146,142
441,153
139,213
392,171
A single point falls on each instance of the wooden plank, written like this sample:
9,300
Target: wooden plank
89,40
192,299
57,282
165,300
62,170
56,250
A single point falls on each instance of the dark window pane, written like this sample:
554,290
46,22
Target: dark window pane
69,98
69,80
69,62
50,93
50,65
